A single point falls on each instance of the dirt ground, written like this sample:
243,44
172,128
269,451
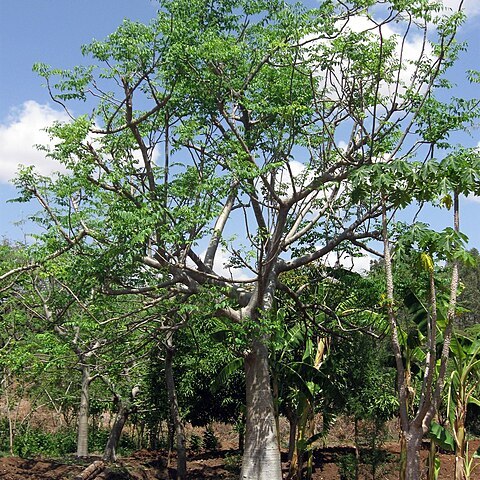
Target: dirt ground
224,464
221,465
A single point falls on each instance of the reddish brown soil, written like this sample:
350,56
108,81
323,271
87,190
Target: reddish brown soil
224,464
221,465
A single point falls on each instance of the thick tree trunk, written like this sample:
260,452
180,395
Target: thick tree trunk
109,454
261,459
175,412
82,435
413,440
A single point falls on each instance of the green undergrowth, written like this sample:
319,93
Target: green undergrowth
32,442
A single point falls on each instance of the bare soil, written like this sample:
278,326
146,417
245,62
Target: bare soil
221,465
224,463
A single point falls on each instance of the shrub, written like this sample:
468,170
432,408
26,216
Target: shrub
196,442
210,441
347,465
233,463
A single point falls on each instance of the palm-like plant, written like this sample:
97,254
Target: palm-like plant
463,390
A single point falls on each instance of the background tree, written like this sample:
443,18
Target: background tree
469,298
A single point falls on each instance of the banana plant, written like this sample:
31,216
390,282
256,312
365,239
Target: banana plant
469,466
316,350
439,437
338,315
463,390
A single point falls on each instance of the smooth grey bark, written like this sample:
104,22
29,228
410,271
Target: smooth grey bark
261,458
414,441
175,410
109,454
124,410
82,433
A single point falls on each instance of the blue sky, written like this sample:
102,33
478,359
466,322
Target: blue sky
49,31
52,31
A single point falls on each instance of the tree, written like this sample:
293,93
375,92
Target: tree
70,326
469,298
222,125
429,247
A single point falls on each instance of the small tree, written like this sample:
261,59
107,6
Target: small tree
447,246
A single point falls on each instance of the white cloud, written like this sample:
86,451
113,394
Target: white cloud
222,268
412,49
359,264
296,172
22,130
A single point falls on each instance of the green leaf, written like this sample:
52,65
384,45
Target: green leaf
235,365
442,437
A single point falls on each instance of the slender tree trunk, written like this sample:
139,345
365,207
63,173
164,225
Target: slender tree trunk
357,448
124,410
292,438
296,461
175,411
294,471
170,440
241,433
261,459
82,436
241,441
153,434
111,448
11,428
433,382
